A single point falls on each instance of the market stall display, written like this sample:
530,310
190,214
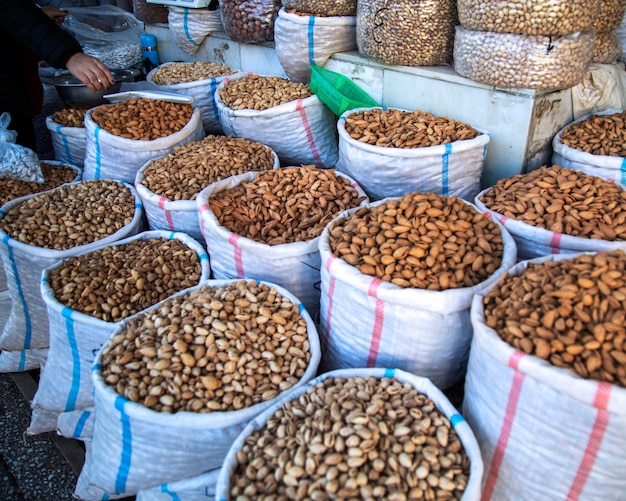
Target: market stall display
398,278
544,352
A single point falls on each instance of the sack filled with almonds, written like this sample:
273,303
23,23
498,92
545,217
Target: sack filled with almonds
393,152
556,210
356,434
168,186
41,229
84,309
547,374
284,115
398,278
267,225
594,143
188,374
123,136
67,132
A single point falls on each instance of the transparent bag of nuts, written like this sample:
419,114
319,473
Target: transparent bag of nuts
503,390
323,7
214,158
608,48
407,33
370,322
606,166
76,336
301,40
313,456
521,17
27,327
523,61
250,21
293,265
203,437
535,241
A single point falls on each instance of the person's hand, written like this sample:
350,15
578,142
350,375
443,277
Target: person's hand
95,75
55,14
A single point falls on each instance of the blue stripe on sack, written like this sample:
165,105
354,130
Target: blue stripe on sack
456,419
80,425
311,35
70,404
173,495
623,171
98,159
186,28
213,86
389,373
22,364
66,144
127,445
29,329
172,235
105,497
444,169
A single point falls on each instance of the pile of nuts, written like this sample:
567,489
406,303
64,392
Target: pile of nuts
393,128
322,7
250,20
256,92
175,73
286,205
570,312
53,175
353,438
523,61
544,17
405,32
211,349
610,15
71,215
188,169
70,117
142,119
117,281
421,241
598,135
562,200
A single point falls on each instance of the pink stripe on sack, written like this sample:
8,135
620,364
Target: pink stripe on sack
309,133
379,313
331,291
601,401
237,255
168,214
555,243
507,425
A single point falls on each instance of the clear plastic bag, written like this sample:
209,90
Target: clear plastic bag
250,21
16,161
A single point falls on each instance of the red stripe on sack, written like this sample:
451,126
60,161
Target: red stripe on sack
379,311
555,243
507,425
168,214
309,133
331,291
601,401
237,255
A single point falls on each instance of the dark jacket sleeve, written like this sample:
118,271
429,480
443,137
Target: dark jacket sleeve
28,25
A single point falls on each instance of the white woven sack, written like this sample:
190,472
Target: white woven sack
294,266
76,424
533,241
136,448
366,322
27,325
544,432
85,489
608,167
301,41
113,157
75,339
173,215
301,132
448,169
201,487
68,143
203,94
189,27
421,384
